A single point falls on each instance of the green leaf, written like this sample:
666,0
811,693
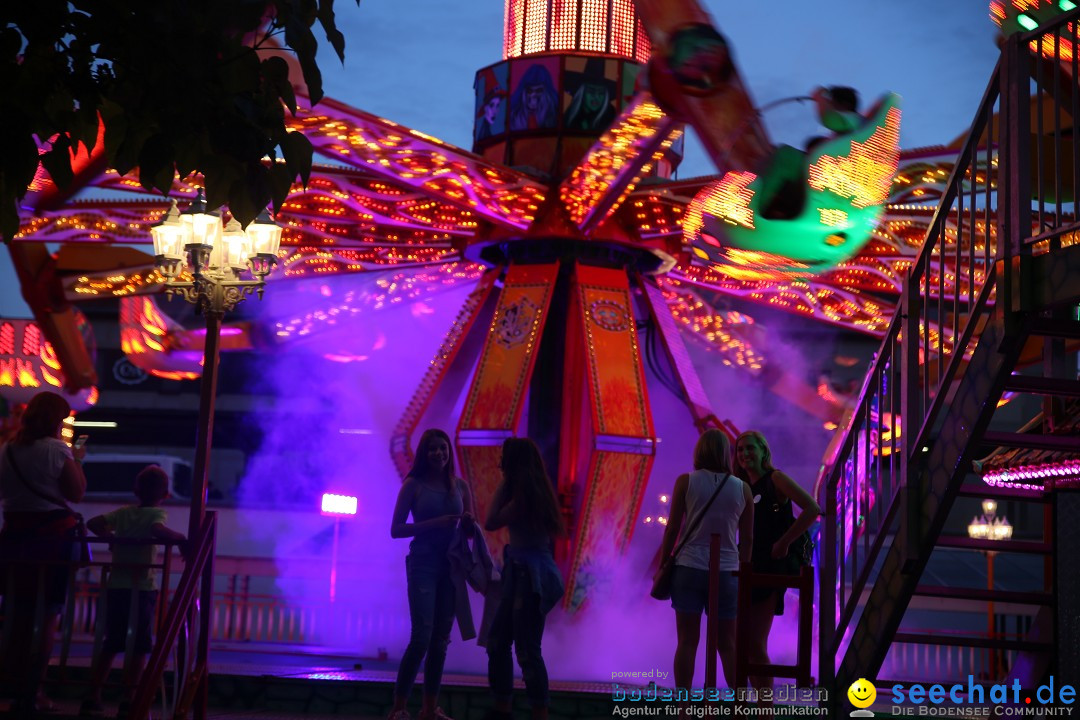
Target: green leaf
156,164
326,19
300,38
9,216
297,151
84,127
220,173
57,161
116,127
19,160
10,43
281,181
242,204
276,71
240,73
127,155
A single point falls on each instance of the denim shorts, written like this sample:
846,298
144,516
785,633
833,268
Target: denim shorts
690,591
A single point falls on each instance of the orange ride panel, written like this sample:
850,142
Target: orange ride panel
401,441
619,430
495,400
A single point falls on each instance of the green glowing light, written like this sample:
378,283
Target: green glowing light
1026,21
1066,5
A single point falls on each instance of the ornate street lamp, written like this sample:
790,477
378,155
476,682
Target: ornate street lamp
217,256
994,527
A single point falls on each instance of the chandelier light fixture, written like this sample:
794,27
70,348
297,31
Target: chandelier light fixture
217,255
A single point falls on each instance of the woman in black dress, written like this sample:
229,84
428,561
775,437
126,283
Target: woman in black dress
775,528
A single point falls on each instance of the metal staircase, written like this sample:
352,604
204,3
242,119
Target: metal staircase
1000,264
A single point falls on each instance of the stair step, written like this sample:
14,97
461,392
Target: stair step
1017,546
1048,327
1034,441
985,594
1058,387
994,492
967,641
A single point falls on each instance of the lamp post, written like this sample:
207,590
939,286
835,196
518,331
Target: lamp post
337,507
217,255
990,526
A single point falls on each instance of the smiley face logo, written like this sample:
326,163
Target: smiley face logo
862,693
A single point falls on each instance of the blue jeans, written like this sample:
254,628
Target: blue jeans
431,609
519,622
690,592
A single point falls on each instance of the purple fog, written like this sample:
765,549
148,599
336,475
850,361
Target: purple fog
350,352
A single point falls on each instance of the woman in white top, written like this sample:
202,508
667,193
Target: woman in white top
39,475
731,512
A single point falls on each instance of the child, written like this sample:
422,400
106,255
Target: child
143,521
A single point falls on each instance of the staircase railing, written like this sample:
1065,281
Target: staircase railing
870,486
190,611
864,484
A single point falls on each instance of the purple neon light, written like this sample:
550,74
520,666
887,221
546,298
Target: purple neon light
1034,477
338,504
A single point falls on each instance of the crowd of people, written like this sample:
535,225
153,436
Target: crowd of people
43,539
530,585
735,494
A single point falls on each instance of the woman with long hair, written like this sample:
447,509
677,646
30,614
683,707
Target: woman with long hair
437,500
525,504
715,502
39,475
775,528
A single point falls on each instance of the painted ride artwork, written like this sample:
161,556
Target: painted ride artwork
553,221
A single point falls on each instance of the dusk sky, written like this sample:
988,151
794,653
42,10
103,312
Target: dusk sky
413,61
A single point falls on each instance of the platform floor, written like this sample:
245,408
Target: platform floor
309,682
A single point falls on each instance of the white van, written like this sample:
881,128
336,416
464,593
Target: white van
112,475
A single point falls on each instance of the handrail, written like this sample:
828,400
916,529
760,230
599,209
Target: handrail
748,580
872,485
197,575
865,480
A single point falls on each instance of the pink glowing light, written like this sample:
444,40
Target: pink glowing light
338,504
1035,477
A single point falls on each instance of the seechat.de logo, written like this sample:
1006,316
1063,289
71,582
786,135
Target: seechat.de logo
999,700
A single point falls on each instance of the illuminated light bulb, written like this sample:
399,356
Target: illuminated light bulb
1027,22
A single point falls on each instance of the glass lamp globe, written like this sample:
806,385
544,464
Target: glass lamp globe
170,235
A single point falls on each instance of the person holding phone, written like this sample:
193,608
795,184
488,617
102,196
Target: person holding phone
438,501
39,476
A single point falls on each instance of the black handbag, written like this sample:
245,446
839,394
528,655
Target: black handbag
661,588
800,554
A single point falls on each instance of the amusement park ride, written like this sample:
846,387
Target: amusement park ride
566,220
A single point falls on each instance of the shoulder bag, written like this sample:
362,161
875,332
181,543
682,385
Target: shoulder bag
81,551
661,589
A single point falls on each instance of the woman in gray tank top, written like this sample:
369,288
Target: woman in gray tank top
730,514
437,501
